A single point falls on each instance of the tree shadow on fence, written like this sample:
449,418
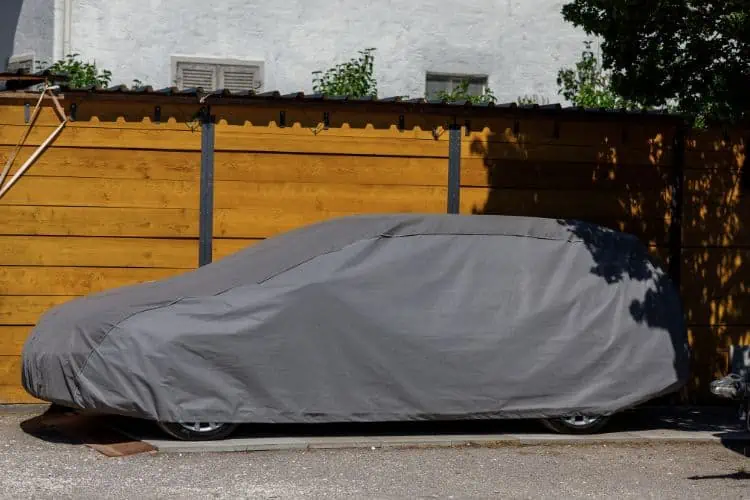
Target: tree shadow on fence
620,175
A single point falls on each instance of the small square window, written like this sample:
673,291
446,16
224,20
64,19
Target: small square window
445,82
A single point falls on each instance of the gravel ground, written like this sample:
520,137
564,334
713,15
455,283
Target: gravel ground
34,468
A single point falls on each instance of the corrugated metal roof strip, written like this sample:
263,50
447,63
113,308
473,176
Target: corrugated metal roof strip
394,103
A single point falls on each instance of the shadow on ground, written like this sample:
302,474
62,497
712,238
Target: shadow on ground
62,426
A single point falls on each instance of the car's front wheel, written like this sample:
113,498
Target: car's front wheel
577,424
198,431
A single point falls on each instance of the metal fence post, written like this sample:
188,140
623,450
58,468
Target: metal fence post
675,225
206,223
454,168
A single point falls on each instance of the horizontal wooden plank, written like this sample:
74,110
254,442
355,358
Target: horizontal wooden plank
27,309
10,370
107,114
109,163
62,191
333,169
98,252
710,346
232,138
552,151
715,160
12,339
295,197
528,174
263,222
707,185
714,285
256,121
15,394
257,167
18,280
549,130
719,338
224,247
715,209
563,204
98,221
716,138
112,136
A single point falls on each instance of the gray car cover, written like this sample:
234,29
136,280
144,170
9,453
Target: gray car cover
377,318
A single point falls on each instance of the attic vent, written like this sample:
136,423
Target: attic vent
24,63
195,75
208,74
237,78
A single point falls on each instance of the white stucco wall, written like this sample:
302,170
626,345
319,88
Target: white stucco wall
520,44
26,26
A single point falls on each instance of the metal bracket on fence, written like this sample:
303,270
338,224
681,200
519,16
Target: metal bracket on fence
326,120
206,222
454,168
73,111
282,119
401,122
26,113
157,114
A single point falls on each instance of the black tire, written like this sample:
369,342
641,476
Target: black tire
594,424
185,433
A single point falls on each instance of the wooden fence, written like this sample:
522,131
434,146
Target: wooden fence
115,200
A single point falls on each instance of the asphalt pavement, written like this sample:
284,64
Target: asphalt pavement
39,465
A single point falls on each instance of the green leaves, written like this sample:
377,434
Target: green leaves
354,78
588,85
695,53
461,94
81,74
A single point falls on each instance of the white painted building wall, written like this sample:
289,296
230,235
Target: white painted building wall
519,44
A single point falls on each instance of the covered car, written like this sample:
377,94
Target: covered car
377,318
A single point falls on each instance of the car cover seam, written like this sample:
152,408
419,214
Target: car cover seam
104,337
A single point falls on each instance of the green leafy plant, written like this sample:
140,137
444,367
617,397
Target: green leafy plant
81,74
461,94
354,78
532,99
589,85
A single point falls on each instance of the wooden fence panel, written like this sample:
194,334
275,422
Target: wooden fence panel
109,204
115,200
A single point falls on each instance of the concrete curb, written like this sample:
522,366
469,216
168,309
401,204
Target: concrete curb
444,441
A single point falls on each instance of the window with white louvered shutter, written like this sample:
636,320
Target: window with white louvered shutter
196,75
237,78
214,74
25,63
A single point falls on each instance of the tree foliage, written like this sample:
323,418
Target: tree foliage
354,78
693,52
81,74
589,85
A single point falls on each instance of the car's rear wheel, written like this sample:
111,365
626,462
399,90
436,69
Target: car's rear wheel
198,431
577,424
